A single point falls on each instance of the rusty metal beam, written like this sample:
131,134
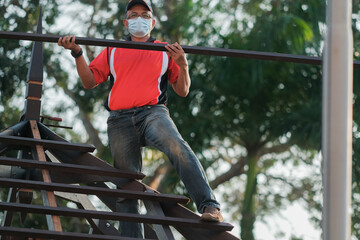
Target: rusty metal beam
161,47
53,221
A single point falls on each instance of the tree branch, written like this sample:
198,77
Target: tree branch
275,149
93,133
298,191
89,50
160,173
236,170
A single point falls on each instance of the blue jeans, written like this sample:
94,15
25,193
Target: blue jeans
131,129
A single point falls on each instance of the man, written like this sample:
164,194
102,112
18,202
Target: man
138,115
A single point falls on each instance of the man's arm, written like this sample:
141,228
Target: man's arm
182,85
86,75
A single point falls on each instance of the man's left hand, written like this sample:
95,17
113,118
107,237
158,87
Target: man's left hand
177,53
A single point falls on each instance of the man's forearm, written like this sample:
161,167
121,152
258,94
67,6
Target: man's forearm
182,85
86,75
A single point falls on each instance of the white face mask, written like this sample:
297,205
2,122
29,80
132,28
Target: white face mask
139,27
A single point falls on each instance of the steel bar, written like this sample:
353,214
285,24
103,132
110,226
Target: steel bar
72,168
161,47
4,182
98,226
8,215
58,126
37,233
337,122
179,211
118,216
149,232
19,141
162,231
17,129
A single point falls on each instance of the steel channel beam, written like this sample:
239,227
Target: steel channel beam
72,168
17,129
4,182
161,47
176,210
18,141
116,216
36,233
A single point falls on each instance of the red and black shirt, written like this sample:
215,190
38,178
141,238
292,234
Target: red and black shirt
140,76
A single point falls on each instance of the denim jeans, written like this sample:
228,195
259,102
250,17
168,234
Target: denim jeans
131,129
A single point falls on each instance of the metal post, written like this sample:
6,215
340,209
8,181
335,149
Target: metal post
35,79
337,121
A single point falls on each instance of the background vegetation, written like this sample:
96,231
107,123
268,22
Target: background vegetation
254,124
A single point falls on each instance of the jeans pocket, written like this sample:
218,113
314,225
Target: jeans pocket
113,116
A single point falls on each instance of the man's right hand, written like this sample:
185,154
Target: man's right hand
68,42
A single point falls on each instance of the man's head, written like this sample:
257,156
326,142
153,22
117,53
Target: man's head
139,19
145,3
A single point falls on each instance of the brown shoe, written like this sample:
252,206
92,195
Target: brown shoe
211,214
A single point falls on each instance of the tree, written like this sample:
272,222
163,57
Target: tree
260,107
18,16
356,122
22,16
243,114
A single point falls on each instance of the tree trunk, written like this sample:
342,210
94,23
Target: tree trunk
248,212
90,129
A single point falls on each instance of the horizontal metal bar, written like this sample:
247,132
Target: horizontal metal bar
19,141
5,182
37,233
161,47
177,210
117,216
58,126
73,168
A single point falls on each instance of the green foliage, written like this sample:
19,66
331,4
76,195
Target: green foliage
253,103
19,16
256,106
356,159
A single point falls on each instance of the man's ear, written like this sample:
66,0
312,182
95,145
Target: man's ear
153,22
126,23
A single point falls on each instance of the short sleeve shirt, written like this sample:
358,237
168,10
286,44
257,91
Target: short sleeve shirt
140,76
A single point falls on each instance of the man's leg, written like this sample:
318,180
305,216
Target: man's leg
161,132
125,150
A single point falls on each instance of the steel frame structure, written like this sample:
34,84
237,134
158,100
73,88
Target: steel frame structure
47,163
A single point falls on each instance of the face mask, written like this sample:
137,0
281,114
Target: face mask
139,27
